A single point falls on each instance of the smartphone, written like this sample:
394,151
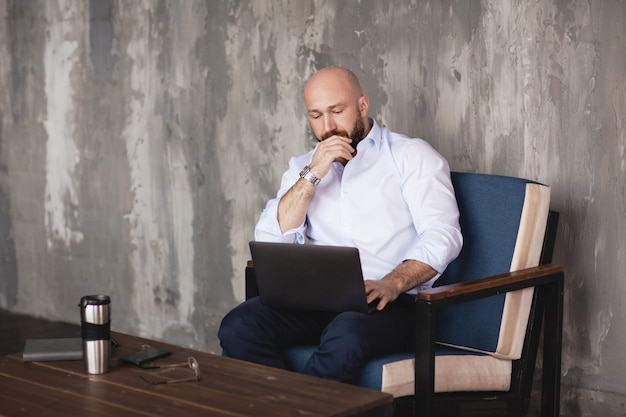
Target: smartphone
144,356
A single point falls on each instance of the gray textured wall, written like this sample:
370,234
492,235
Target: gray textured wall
139,141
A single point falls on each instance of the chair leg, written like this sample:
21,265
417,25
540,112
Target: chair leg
553,334
424,359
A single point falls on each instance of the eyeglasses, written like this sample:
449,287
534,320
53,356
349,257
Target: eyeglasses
191,363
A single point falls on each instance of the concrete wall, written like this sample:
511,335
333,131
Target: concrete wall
139,141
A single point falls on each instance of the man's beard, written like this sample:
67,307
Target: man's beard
358,131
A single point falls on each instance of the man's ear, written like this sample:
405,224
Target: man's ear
364,104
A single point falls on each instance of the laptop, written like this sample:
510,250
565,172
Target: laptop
309,277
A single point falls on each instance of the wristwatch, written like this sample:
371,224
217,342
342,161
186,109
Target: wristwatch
308,175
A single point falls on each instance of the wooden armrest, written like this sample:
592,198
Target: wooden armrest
250,264
496,284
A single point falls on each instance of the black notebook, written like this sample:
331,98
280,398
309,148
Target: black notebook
64,349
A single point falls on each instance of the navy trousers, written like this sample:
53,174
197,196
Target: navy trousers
256,333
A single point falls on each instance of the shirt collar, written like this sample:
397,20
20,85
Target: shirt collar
375,134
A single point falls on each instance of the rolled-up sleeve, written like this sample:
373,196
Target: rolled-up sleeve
429,194
268,228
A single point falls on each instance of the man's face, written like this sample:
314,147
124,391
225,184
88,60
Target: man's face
338,120
333,108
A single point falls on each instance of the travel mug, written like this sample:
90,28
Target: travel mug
95,315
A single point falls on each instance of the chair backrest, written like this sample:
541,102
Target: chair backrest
503,221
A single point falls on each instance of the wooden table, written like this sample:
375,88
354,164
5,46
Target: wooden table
228,387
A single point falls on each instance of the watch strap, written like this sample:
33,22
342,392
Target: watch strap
309,176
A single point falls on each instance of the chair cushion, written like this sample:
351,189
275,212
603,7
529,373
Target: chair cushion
372,375
494,325
455,370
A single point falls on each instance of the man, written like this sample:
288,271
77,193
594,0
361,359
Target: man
363,186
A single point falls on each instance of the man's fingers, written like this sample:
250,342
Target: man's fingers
327,152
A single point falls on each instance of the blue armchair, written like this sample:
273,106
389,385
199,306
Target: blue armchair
479,327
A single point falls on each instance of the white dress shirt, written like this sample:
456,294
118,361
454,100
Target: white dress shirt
393,201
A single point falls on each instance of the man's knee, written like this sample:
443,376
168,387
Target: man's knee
244,335
235,325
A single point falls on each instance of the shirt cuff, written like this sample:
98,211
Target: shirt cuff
438,250
268,228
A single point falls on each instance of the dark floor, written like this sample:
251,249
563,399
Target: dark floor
16,328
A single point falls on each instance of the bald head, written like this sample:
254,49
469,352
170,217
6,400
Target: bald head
334,78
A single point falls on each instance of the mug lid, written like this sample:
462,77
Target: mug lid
97,299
